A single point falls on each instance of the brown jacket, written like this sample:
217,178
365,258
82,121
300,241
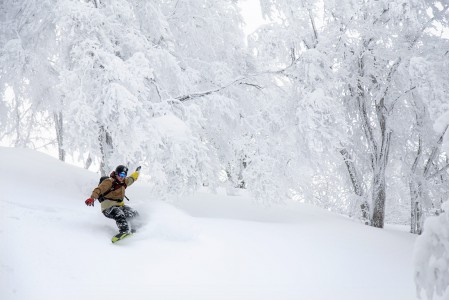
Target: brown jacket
118,194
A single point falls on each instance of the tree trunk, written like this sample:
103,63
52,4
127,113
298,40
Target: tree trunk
88,162
241,184
416,181
19,141
379,196
106,149
356,184
416,207
380,166
59,134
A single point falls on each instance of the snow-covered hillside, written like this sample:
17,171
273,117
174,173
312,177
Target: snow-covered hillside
207,246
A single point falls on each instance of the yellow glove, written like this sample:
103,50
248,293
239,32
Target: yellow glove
135,175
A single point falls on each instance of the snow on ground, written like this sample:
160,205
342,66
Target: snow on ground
207,246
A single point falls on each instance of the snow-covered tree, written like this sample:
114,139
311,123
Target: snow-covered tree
431,256
104,82
114,73
366,49
27,70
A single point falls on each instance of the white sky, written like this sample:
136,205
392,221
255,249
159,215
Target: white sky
252,15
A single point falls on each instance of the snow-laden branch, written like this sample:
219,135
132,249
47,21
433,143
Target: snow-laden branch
315,32
434,153
439,172
389,78
399,97
206,93
174,11
427,24
240,80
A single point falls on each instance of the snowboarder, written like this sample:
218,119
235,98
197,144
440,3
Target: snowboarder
111,193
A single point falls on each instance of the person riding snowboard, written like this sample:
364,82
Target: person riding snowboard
111,193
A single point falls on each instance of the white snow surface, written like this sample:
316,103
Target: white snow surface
205,246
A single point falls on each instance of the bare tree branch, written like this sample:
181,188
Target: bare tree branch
315,33
439,172
424,27
202,94
434,152
396,100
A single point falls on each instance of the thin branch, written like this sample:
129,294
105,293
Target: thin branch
424,27
389,76
434,152
157,87
239,81
439,172
202,94
315,33
381,15
174,10
418,154
293,54
419,124
252,84
396,100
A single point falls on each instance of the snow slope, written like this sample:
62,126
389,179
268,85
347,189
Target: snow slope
208,246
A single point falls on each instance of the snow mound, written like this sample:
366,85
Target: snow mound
164,221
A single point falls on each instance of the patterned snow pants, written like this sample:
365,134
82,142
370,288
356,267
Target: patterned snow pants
121,215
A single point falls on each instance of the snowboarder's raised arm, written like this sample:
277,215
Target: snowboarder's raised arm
133,177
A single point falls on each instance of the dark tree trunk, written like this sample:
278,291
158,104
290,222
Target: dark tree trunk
379,170
379,197
416,207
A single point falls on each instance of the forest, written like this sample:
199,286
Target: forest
343,105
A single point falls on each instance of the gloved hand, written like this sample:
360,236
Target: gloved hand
135,175
89,202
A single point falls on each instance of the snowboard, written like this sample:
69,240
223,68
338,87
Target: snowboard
120,236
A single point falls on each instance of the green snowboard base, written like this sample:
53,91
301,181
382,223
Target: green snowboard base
120,236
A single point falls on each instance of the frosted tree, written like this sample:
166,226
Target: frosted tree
206,37
27,69
426,158
120,68
428,181
378,83
97,83
328,96
368,47
302,59
310,122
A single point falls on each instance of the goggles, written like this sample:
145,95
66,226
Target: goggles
121,174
